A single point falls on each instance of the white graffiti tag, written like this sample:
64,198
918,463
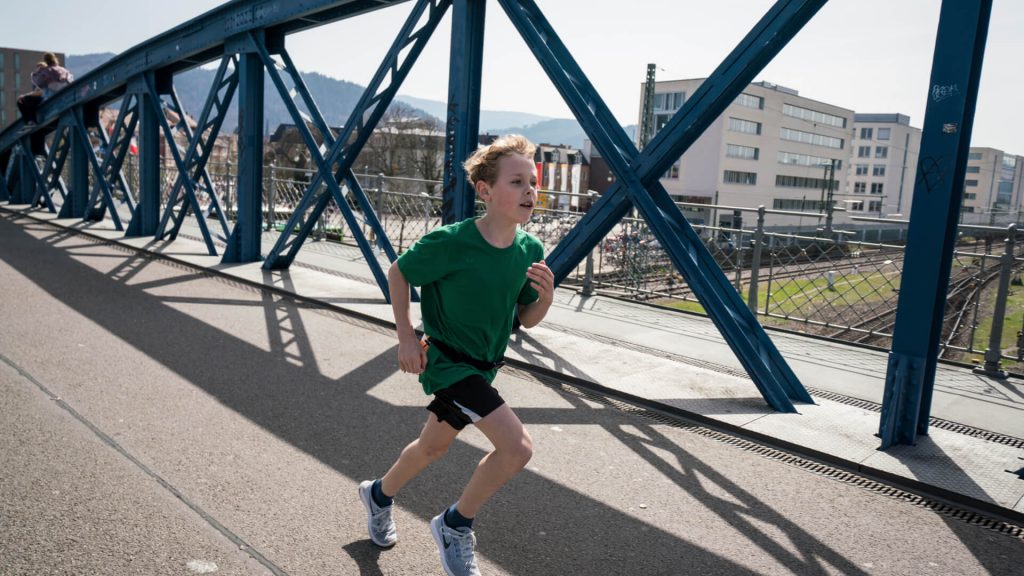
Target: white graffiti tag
940,93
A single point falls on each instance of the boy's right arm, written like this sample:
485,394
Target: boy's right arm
411,356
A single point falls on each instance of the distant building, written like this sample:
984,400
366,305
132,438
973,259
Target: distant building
563,177
16,67
884,153
770,147
993,187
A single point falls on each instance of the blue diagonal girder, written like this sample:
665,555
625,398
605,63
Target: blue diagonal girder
117,147
198,165
334,190
364,118
82,135
638,177
51,177
191,201
111,165
39,188
369,215
200,147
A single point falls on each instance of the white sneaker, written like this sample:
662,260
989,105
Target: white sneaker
379,523
456,548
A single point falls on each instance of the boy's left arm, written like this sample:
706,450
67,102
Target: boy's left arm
543,281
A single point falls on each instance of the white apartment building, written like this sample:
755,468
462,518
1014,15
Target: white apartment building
993,187
884,151
770,147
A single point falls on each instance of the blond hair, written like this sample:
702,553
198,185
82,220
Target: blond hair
482,165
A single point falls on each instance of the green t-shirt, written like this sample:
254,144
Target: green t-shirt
468,296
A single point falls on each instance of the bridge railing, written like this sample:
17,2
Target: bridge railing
839,284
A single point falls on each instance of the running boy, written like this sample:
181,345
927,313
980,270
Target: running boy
473,276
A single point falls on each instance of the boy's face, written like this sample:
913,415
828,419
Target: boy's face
514,192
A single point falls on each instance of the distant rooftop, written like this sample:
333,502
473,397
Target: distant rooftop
883,118
776,87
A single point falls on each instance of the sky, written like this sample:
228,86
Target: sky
864,55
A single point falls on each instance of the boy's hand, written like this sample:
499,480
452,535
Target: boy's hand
412,355
542,279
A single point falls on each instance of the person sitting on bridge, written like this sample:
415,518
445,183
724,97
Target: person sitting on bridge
48,77
475,275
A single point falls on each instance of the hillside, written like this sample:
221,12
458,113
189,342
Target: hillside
337,98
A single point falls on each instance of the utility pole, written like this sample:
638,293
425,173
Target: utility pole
647,113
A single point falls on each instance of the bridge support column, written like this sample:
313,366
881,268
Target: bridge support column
78,189
459,197
938,192
244,243
146,218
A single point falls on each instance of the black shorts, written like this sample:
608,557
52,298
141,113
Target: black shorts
465,402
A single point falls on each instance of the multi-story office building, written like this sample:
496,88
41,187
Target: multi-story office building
993,187
16,67
770,147
883,160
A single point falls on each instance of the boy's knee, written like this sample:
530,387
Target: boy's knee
522,451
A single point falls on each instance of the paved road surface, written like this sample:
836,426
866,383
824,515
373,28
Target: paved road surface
159,421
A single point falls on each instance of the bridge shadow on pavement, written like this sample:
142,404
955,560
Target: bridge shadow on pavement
342,424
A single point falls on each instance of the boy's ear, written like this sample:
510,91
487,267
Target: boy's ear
481,188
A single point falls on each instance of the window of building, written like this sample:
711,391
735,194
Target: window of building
878,170
813,116
974,156
784,181
881,151
744,152
750,101
17,81
859,187
970,196
736,177
857,206
660,120
865,133
973,169
864,152
17,63
862,170
3,117
810,138
1009,162
968,208
970,183
884,133
875,206
799,204
807,160
745,126
669,100
876,187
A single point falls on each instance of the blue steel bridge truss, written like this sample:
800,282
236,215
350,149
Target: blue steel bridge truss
248,38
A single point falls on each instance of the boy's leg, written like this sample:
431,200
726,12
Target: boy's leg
513,448
376,496
433,442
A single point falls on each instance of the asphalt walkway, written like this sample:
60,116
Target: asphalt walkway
162,420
